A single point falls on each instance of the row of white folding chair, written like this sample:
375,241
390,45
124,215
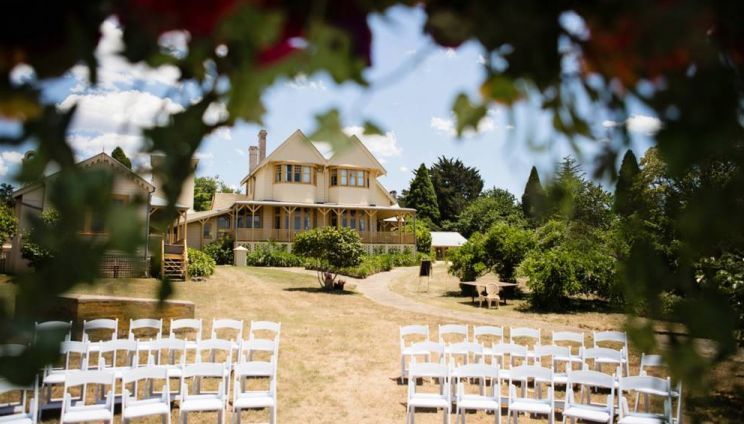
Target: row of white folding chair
25,410
648,364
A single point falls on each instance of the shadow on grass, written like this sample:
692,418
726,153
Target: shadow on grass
320,290
574,305
723,406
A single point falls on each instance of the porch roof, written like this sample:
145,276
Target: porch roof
326,205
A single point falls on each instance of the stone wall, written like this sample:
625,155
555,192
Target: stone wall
79,307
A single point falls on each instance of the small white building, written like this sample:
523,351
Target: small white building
442,241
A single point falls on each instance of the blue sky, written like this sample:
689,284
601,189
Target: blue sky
413,84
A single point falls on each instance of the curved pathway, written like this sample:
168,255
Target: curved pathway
376,288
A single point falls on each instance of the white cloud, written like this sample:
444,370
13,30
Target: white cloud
86,146
302,82
404,169
447,126
216,112
11,156
639,124
3,168
118,111
240,152
450,53
22,73
382,146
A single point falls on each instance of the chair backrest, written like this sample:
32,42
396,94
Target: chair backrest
100,325
413,330
227,326
166,352
525,373
144,373
180,327
475,371
469,349
650,361
428,348
610,337
428,370
212,347
90,377
154,325
116,353
488,334
568,338
552,353
453,329
604,353
53,327
204,370
72,351
511,350
17,411
265,326
590,379
262,347
648,385
532,334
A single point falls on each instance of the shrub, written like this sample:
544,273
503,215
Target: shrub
36,254
506,246
469,261
372,264
333,248
272,254
200,263
221,251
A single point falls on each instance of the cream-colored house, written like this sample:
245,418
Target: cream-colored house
296,188
128,188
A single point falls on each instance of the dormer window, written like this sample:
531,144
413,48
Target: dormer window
349,177
289,173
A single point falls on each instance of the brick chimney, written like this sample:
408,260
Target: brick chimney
261,145
252,158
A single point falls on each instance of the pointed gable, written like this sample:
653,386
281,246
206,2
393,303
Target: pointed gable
356,155
296,148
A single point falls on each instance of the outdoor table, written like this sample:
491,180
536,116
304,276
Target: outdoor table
476,284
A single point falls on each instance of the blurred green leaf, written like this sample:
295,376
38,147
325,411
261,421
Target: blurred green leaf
467,114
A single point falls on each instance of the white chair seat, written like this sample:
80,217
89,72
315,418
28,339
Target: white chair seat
504,374
587,413
428,400
478,402
202,404
254,400
641,419
56,377
88,413
146,409
16,420
530,405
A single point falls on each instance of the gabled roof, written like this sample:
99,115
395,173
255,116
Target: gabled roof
225,200
295,137
100,158
356,143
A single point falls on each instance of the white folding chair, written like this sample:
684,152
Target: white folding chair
437,400
514,352
134,405
215,350
74,358
274,328
254,399
525,336
420,333
654,386
582,408
53,327
603,338
144,330
573,340
466,401
453,333
171,355
648,363
102,406
463,353
523,403
487,336
116,356
555,356
228,329
187,329
599,356
201,401
101,330
26,410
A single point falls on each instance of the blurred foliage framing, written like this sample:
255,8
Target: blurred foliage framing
622,52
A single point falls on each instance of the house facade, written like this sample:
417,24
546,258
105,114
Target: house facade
128,188
303,185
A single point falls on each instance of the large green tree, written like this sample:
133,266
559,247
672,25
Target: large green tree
627,198
204,190
421,196
533,199
456,185
572,197
119,155
494,205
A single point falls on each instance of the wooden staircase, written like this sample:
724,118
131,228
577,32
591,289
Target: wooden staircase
175,262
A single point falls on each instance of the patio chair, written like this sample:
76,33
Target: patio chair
116,356
602,356
605,338
25,410
215,350
514,352
555,356
420,333
581,407
99,407
53,327
228,329
254,399
259,350
466,401
654,386
454,332
467,352
101,330
535,404
199,401
423,352
441,399
134,405
526,336
648,363
489,293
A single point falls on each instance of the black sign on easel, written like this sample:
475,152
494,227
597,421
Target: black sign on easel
425,271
